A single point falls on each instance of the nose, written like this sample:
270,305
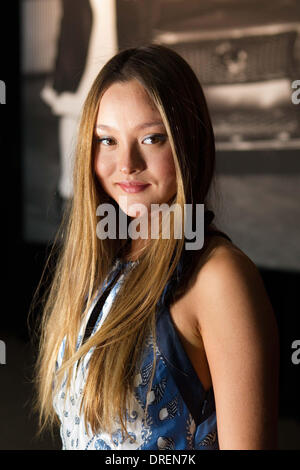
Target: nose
130,160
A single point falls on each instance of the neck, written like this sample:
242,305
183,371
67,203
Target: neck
135,249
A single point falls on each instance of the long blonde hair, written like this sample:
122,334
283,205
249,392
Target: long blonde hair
85,260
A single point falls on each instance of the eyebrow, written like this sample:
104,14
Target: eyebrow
140,126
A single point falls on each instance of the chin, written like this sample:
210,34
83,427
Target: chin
137,210
133,208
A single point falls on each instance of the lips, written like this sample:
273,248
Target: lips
133,187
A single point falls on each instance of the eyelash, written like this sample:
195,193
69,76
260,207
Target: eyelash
161,138
101,139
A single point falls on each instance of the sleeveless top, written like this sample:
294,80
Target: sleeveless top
181,414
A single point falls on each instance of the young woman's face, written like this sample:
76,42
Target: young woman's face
133,156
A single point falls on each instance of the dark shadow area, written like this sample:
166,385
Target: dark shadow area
18,421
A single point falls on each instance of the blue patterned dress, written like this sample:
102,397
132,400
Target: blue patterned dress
181,414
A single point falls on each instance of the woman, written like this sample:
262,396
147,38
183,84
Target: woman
147,344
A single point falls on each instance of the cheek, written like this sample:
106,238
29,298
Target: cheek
103,167
165,169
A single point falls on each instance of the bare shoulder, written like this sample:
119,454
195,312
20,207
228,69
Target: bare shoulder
228,284
226,259
220,249
237,325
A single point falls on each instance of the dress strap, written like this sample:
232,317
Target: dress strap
119,268
200,402
107,287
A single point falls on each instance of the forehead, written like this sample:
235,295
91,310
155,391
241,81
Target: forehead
128,102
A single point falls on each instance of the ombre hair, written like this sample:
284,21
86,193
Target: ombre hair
85,260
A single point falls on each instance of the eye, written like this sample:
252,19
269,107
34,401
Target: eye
107,141
154,139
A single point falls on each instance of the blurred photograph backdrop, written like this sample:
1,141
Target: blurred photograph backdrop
246,54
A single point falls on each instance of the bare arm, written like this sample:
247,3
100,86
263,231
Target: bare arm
239,332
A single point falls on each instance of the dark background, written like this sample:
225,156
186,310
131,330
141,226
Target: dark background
260,190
